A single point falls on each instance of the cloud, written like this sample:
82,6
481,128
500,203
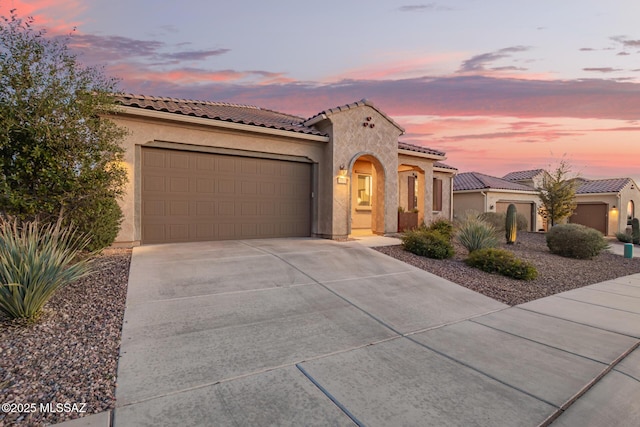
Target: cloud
424,7
196,55
587,49
97,49
479,63
439,96
602,69
626,42
57,16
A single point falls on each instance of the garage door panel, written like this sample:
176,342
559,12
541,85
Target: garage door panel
592,215
525,209
188,196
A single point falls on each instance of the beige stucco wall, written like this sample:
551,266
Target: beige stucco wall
463,202
167,133
351,140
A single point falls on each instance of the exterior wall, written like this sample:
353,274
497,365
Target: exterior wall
424,169
447,188
165,133
629,193
463,202
351,140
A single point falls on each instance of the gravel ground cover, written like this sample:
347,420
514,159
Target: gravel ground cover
555,273
70,354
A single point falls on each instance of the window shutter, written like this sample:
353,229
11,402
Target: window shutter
437,194
411,196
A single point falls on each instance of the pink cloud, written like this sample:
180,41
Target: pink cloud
57,16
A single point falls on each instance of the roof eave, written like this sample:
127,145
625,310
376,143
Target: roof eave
162,115
497,190
419,154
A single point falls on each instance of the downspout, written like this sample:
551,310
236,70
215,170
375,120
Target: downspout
620,215
485,201
451,199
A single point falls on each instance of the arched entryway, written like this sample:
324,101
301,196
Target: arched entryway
367,196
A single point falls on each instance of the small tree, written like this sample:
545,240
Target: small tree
557,194
59,156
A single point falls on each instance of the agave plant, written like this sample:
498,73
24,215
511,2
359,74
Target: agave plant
35,261
474,234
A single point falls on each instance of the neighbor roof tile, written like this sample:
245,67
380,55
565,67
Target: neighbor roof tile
480,181
603,186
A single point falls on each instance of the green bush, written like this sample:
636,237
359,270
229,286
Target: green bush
428,243
99,219
493,260
497,220
36,261
443,227
575,241
475,234
624,237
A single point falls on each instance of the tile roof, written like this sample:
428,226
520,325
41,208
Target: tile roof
326,113
480,181
443,166
419,149
603,186
522,175
236,113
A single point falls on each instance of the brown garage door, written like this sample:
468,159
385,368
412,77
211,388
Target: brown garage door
189,196
592,215
525,209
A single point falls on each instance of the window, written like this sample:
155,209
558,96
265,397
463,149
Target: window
364,191
437,194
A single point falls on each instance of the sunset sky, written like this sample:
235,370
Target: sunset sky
498,85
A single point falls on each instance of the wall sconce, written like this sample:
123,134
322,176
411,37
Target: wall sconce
342,175
491,207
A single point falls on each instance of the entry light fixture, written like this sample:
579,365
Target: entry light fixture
342,175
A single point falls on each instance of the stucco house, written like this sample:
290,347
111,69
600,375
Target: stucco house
212,171
608,205
485,193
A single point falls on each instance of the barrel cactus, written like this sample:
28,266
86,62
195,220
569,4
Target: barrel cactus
635,231
511,224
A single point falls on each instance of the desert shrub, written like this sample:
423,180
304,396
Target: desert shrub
624,237
575,241
99,219
494,260
36,261
443,227
497,220
428,243
474,234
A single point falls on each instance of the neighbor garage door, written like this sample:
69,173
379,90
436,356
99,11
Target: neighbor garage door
592,215
525,209
189,196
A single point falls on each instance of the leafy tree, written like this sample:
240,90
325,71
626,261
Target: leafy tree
58,153
558,194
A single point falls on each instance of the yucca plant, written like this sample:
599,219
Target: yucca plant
35,261
474,234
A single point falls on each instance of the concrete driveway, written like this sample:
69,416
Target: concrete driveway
316,332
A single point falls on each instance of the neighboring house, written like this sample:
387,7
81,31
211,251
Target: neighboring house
608,205
211,171
473,191
532,178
